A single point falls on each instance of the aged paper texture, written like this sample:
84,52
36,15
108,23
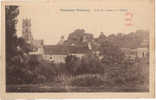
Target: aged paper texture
77,49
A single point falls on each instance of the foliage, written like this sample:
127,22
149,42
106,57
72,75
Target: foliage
90,65
78,37
111,53
72,64
10,29
130,40
20,66
87,80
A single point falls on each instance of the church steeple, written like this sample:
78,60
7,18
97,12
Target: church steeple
26,30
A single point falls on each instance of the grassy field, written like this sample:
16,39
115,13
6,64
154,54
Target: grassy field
69,84
53,88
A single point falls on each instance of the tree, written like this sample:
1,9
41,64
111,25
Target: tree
11,13
101,38
90,64
136,38
111,53
72,64
16,49
10,29
79,37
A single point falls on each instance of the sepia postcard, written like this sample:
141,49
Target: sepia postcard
77,49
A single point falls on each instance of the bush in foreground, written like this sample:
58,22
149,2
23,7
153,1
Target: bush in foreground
88,80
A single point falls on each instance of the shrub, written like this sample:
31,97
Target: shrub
88,80
72,64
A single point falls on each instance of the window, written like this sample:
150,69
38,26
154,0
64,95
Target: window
51,57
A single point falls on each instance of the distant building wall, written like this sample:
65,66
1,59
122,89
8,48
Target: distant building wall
58,53
79,55
39,51
37,46
138,52
55,58
60,58
142,52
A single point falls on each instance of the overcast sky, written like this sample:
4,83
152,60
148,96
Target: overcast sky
50,23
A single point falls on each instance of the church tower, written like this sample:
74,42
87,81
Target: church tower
26,30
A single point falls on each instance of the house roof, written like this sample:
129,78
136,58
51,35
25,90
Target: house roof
63,50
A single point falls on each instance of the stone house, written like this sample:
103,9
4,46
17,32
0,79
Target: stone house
141,51
58,53
37,46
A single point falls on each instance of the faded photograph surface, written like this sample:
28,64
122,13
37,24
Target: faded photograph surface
76,48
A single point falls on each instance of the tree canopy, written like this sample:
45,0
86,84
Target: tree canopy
79,37
10,29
